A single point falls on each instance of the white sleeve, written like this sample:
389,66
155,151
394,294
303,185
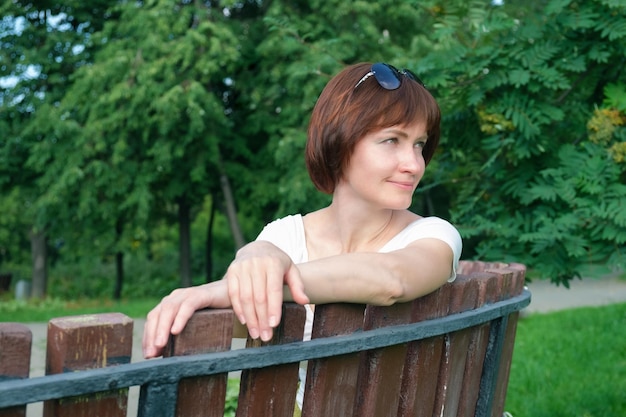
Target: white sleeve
436,228
440,229
287,234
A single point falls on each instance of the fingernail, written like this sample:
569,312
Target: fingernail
273,321
266,336
242,319
254,333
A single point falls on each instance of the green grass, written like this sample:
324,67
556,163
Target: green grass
570,364
43,310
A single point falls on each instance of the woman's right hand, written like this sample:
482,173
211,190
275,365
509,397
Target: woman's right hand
173,312
256,282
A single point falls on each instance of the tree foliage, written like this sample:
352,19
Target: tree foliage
144,112
526,180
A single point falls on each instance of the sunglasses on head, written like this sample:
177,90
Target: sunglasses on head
388,76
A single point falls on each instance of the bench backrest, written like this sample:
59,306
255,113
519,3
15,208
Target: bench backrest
445,354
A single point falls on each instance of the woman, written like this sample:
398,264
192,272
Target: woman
372,132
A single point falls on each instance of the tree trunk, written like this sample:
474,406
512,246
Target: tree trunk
119,263
231,211
119,280
184,238
39,252
209,241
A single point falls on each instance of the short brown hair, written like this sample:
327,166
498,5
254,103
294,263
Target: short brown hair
343,115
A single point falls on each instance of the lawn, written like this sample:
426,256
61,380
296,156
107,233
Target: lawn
43,310
570,364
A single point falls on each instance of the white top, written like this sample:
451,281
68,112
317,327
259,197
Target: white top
288,234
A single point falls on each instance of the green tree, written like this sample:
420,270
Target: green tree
518,86
312,41
180,101
42,45
143,129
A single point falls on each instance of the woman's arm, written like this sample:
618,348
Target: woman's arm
173,312
262,276
252,286
379,278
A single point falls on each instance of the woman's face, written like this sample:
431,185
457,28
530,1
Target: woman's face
387,165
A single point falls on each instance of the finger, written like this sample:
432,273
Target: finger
245,299
149,331
163,327
182,317
158,326
260,288
274,296
233,294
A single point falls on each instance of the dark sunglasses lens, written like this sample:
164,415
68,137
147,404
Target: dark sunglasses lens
386,76
414,77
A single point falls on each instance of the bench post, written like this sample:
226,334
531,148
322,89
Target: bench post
512,279
323,396
380,374
272,391
15,344
86,342
207,331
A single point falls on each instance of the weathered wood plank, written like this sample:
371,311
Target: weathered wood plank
451,382
380,373
331,382
423,359
514,286
86,342
15,344
207,331
272,391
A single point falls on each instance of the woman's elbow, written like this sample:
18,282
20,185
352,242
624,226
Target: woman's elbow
402,290
394,291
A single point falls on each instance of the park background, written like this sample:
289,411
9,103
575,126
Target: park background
143,142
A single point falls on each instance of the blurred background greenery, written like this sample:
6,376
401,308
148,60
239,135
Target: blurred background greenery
143,142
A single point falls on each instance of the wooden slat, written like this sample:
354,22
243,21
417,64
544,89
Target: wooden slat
15,344
515,286
464,297
158,399
421,370
272,391
331,382
380,373
207,331
86,342
473,371
473,267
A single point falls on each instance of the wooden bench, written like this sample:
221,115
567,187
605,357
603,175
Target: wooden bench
445,354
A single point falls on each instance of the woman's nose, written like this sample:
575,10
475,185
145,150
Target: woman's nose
412,161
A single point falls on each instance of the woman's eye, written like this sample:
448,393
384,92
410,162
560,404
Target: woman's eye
420,144
390,140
